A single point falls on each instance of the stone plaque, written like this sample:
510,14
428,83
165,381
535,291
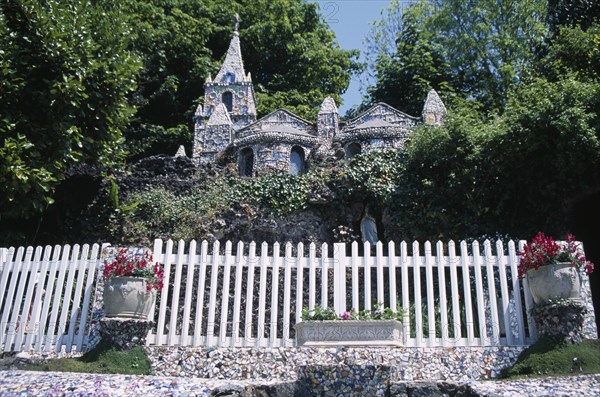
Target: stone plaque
349,333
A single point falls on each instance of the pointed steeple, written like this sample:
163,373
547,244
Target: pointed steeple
198,112
328,119
220,116
328,106
180,152
434,109
229,104
232,69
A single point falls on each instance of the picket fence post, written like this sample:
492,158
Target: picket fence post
339,277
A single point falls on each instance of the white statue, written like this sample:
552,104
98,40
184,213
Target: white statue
368,228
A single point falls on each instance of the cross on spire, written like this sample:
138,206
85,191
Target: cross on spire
236,19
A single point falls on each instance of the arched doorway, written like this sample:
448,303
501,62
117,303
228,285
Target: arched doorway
246,162
297,161
352,149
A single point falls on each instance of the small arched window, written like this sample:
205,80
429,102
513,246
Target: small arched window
227,99
228,78
352,150
246,162
297,165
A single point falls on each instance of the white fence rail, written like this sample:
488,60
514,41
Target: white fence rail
458,296
46,296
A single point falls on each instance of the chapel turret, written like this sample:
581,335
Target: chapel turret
328,119
434,110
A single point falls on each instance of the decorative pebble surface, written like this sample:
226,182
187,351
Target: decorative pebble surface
568,386
343,380
563,320
453,363
25,383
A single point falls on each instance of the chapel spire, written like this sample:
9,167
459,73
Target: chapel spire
232,86
229,104
232,70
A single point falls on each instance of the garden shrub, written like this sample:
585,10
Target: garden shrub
374,175
160,213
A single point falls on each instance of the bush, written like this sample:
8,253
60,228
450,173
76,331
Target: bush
159,213
374,175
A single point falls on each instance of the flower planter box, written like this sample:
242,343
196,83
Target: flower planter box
349,333
555,281
128,297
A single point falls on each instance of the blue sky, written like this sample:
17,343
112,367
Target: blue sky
351,20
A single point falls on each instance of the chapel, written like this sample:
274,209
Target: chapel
281,140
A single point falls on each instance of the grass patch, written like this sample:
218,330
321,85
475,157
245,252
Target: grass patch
103,359
549,357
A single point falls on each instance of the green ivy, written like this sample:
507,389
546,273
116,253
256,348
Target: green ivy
374,174
282,193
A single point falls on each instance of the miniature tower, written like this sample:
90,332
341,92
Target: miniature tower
434,110
328,119
232,90
216,134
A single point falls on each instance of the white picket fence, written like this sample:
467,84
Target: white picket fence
46,296
222,297
470,298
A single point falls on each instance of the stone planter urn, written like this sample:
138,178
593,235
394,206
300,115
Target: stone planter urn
555,281
128,297
349,333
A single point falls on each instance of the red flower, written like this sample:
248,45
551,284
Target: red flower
126,264
543,250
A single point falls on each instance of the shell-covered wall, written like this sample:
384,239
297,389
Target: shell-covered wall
243,98
271,157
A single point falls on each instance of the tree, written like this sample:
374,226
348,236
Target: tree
572,13
294,56
380,41
441,193
513,174
481,48
65,75
171,38
416,67
546,155
572,51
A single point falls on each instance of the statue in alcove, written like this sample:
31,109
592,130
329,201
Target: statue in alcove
368,227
